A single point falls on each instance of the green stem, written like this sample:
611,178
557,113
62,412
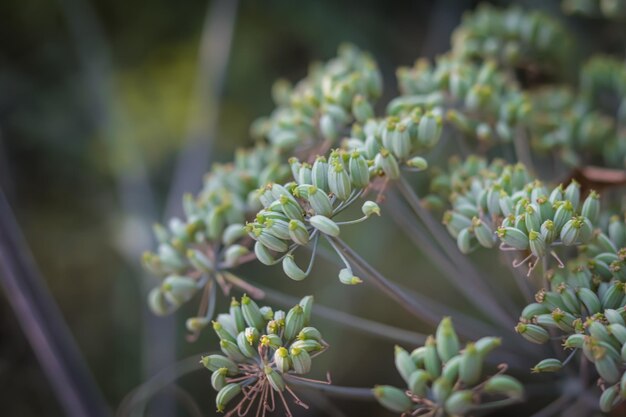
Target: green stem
351,393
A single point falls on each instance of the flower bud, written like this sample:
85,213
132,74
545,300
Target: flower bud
591,207
320,202
300,360
310,333
432,362
158,303
537,244
291,208
483,233
294,322
325,225
563,213
281,358
362,109
513,237
547,365
460,402
178,289
232,233
486,344
200,261
196,324
276,381
572,194
447,340
252,335
272,341
251,313
292,270
231,350
359,171
218,379
222,332
404,363
533,333
610,398
307,308
570,233
451,369
225,395
388,163
504,385
245,347
441,390
234,253
429,129
470,368
392,398
263,254
215,362
270,241
319,173
339,181
369,208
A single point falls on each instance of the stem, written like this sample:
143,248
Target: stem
351,393
313,253
478,293
362,219
361,325
497,404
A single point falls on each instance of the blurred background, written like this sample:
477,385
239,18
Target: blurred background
110,110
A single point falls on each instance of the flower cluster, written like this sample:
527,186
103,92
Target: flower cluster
483,102
524,215
299,212
586,307
512,36
443,379
319,109
262,350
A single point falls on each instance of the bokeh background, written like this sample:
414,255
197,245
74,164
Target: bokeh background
98,102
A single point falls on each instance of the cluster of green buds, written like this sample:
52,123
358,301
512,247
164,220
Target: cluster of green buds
394,142
522,214
573,124
298,213
196,251
262,350
484,104
443,379
587,312
514,37
611,9
320,108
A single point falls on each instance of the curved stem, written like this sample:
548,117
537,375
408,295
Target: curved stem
351,393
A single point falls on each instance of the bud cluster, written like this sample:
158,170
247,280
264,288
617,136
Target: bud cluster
483,102
191,251
261,347
513,37
298,213
523,215
443,379
324,104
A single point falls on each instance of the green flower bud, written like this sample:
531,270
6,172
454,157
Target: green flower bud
234,253
221,332
388,163
281,358
196,324
571,231
301,360
534,309
429,129
404,363
392,398
278,228
537,244
309,345
483,233
298,232
460,402
533,333
470,368
245,347
447,340
606,366
294,322
563,213
574,341
418,355
513,237
292,210
218,379
276,381
252,313
572,194
418,382
369,208
613,296
485,345
267,312
320,202
272,341
362,109
617,231
178,289
547,365
451,369
232,233
263,254
310,333
610,398
158,303
200,261
504,385
215,362
432,362
319,173
359,171
618,331
347,277
455,222
225,395
231,350
325,225
441,390
292,270
252,335
589,299
307,308
591,207
237,315
339,181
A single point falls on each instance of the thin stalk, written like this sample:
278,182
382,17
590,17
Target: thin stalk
350,393
478,292
358,324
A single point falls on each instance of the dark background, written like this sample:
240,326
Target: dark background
96,95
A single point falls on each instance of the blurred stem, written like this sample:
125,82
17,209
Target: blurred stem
352,322
479,294
43,324
349,393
